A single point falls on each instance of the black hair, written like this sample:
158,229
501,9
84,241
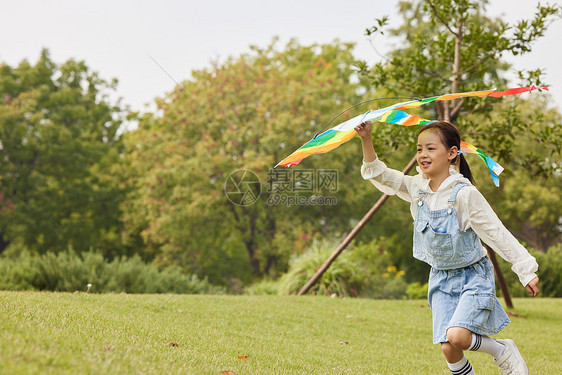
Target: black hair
450,136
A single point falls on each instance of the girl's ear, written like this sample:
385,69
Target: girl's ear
453,152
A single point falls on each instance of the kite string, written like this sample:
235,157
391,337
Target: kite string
358,104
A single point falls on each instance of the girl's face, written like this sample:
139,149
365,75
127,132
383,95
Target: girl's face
434,158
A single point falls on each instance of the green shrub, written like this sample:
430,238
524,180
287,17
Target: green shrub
343,277
68,272
550,271
263,287
416,290
384,279
550,274
360,271
17,275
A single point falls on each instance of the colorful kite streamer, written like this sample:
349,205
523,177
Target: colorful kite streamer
493,166
394,114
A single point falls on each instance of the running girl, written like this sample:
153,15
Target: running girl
450,218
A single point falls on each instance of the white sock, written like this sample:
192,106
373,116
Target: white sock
462,367
486,344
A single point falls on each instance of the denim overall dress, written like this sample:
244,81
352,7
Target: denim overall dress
461,289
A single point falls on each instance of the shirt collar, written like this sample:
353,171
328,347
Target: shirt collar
453,179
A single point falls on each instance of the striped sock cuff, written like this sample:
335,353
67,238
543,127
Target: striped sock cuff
465,370
476,342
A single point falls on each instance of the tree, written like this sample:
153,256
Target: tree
451,46
57,139
529,198
247,113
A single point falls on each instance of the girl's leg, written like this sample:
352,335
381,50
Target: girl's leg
457,362
505,353
452,354
463,339
459,340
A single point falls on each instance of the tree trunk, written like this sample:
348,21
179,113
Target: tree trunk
499,276
3,244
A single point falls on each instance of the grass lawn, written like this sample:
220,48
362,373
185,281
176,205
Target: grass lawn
59,333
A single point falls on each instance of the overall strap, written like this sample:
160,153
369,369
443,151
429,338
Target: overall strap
421,194
456,189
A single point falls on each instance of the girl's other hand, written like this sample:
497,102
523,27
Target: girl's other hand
533,287
364,129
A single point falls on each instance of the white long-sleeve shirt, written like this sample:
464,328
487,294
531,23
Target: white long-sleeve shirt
473,211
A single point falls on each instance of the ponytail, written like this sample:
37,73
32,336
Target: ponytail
464,169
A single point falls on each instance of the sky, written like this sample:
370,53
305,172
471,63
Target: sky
118,38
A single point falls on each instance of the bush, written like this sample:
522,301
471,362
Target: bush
263,287
385,280
360,271
550,274
342,278
69,272
17,275
416,290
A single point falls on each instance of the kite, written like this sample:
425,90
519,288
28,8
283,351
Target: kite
394,114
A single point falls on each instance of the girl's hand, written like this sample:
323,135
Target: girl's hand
533,287
364,130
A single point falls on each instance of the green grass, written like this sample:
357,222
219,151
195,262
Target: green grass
58,333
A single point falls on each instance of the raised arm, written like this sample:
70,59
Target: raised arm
364,131
387,180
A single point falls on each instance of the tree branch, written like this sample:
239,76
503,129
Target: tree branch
441,19
477,64
440,110
456,109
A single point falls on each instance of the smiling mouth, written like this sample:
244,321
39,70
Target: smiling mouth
425,164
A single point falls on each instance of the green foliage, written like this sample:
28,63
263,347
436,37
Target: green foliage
69,272
247,113
68,180
550,274
531,210
360,271
344,277
416,290
550,271
262,288
58,138
383,278
452,46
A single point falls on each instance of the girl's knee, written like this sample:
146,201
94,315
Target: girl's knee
452,354
459,337
447,349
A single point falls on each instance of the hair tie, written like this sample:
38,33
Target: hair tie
461,152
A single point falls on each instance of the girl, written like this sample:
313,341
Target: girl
450,218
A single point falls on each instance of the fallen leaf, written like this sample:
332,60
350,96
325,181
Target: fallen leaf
228,373
171,343
243,357
515,315
344,342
